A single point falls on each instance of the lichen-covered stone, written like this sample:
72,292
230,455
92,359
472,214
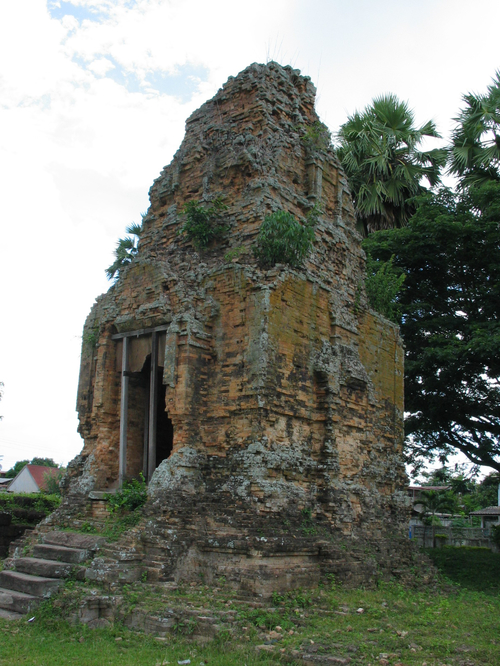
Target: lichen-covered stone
284,391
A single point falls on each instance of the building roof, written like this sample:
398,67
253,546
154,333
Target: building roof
493,510
38,473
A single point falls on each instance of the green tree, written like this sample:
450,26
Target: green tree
51,483
475,150
435,502
379,151
126,249
38,461
450,304
488,491
16,468
470,495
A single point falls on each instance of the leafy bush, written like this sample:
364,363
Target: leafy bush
91,337
383,283
284,240
52,483
38,502
131,496
475,568
201,226
495,534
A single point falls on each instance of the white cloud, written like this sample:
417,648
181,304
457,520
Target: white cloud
101,66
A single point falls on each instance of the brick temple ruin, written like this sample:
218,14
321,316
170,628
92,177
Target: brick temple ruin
263,405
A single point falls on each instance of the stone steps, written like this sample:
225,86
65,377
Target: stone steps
28,583
35,578
18,602
58,553
10,615
73,540
43,567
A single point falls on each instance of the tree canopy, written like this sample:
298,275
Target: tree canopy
36,461
379,151
39,461
469,494
450,305
475,150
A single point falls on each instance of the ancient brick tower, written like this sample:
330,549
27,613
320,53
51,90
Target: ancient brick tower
263,405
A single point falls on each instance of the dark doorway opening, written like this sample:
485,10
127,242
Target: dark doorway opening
164,429
164,426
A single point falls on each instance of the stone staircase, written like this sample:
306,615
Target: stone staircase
30,580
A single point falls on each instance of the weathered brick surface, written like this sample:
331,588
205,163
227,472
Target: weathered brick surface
284,390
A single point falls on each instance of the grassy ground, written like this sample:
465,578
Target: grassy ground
387,626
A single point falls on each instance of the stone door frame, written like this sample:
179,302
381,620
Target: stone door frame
150,448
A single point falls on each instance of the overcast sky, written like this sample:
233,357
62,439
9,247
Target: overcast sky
93,99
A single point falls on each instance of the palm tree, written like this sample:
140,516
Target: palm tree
433,502
379,151
475,151
125,250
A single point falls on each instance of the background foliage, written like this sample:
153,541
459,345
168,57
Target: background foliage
450,308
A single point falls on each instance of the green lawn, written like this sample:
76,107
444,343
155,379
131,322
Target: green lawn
387,626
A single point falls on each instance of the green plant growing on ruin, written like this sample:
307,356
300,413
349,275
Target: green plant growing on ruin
126,249
316,138
87,527
185,627
383,284
91,337
130,497
234,253
307,526
202,225
283,239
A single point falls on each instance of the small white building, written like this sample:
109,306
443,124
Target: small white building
32,479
